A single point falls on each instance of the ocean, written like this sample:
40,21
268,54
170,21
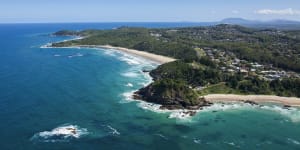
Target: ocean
45,92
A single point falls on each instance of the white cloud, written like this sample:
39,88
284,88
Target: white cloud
288,11
235,11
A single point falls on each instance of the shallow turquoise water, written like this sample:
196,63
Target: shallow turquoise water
43,89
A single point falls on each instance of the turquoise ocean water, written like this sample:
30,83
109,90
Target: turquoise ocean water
44,91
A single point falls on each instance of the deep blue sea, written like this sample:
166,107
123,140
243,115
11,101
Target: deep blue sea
45,93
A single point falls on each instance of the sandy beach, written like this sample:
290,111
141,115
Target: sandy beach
153,57
291,101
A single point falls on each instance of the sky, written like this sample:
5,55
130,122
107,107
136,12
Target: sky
48,11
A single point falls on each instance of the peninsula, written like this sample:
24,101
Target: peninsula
199,62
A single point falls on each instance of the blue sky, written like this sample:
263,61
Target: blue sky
145,11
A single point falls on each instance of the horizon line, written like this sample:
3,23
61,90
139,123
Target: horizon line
69,22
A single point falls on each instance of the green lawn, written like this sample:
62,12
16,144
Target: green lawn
219,88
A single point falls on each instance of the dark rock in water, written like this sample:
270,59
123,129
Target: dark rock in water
287,106
250,102
191,113
146,71
136,96
171,107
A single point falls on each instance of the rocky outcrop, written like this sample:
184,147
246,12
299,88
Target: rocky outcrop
171,98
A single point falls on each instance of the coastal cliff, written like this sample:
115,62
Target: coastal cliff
171,94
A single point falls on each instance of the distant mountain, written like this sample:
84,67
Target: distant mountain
237,21
279,24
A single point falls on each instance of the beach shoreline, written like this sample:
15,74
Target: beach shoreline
150,56
288,101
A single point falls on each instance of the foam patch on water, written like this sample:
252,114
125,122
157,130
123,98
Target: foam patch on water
197,141
293,141
130,61
76,55
60,134
162,136
129,84
113,131
227,107
127,97
47,45
177,114
292,113
110,52
130,74
150,106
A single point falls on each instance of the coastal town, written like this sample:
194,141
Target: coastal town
228,62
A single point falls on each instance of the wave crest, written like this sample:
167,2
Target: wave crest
60,134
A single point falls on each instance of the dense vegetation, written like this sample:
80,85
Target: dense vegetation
135,38
232,83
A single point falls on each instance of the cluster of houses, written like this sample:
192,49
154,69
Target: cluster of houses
228,62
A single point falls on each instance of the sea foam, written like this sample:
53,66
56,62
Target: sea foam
113,131
292,113
129,84
62,133
130,74
76,55
293,141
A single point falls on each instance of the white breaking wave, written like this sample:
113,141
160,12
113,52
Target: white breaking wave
113,130
76,55
197,141
110,52
46,45
130,61
129,84
179,114
130,74
162,136
127,97
293,141
134,60
292,113
227,106
60,134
